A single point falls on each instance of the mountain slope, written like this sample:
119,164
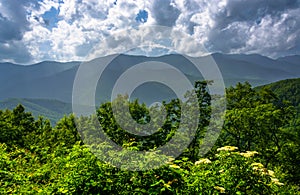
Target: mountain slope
54,110
287,90
50,109
54,80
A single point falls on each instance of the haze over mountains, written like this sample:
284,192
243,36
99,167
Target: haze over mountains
54,80
53,110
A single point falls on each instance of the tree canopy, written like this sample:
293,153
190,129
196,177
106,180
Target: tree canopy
257,151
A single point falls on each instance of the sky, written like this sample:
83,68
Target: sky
67,30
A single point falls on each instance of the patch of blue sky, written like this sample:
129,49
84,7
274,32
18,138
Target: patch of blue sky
142,16
51,18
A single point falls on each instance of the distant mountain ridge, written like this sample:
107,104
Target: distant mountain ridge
54,110
50,109
54,80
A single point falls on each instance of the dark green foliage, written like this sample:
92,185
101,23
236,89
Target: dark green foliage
254,120
36,158
140,114
262,119
288,90
204,100
16,126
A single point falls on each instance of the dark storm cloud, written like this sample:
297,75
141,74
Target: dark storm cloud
267,27
271,22
13,24
14,50
164,13
254,10
9,30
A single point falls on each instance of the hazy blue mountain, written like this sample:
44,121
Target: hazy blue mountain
256,69
50,109
30,81
30,72
295,59
54,80
54,110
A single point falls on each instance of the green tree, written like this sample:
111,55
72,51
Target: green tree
16,126
254,120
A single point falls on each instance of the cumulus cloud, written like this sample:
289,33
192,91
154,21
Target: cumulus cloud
255,26
269,28
15,52
82,25
13,24
164,12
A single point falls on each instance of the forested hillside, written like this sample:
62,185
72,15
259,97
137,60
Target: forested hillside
287,90
50,109
55,110
257,152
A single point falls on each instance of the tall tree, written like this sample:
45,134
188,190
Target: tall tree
255,119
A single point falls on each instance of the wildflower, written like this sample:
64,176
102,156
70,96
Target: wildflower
271,173
276,181
204,161
257,165
174,180
279,183
258,169
221,189
227,148
248,154
170,161
174,166
167,186
221,171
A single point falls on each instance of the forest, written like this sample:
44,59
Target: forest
256,152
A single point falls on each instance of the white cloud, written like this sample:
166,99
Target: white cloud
81,26
275,36
266,27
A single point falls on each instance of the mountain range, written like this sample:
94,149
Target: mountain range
54,80
54,110
50,109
